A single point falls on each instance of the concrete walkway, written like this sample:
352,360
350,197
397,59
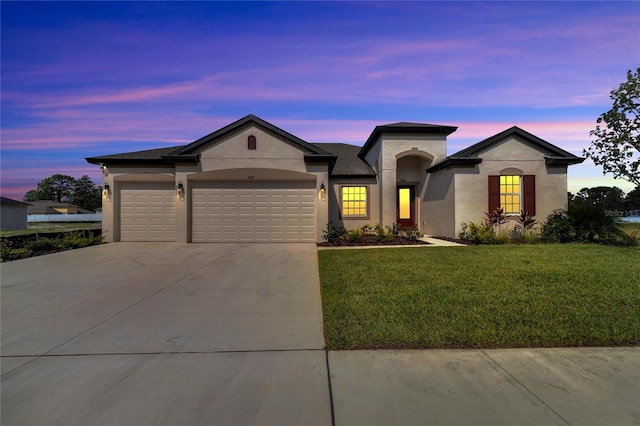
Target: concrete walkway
231,334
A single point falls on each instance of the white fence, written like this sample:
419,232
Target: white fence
95,217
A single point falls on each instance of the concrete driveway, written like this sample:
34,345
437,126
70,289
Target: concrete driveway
153,333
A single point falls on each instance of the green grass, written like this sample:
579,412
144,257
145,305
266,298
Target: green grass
632,229
481,297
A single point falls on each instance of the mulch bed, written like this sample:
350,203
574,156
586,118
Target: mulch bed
370,240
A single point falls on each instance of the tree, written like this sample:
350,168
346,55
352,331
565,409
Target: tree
604,197
86,194
632,200
66,189
617,144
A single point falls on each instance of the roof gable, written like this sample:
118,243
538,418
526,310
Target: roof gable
470,155
483,145
195,146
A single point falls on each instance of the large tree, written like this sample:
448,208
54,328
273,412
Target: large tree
66,189
616,146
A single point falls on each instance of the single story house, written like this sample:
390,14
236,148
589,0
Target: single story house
252,181
13,214
55,207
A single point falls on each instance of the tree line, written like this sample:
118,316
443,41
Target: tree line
66,189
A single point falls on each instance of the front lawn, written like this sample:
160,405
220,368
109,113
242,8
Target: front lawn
481,296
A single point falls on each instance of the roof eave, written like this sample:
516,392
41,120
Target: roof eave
454,162
566,161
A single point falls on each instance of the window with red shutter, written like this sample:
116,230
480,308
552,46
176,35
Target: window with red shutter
251,142
501,194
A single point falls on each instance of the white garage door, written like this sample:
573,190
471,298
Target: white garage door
148,213
257,211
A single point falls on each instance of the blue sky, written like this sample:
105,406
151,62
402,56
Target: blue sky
82,79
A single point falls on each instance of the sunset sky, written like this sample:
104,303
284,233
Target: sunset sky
84,79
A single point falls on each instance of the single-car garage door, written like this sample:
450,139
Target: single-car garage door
253,211
148,212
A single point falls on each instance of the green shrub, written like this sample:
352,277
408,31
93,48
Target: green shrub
478,233
382,235
394,229
557,228
44,245
5,248
413,233
333,233
353,236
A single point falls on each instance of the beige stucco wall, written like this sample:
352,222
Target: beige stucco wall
438,205
271,152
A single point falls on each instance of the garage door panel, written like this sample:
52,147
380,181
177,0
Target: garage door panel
270,211
148,214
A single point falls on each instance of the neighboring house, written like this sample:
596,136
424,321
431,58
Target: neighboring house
251,181
54,207
13,214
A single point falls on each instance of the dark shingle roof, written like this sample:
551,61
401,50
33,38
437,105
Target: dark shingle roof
348,163
9,202
148,155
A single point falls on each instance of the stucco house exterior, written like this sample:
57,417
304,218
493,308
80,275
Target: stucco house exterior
13,214
252,181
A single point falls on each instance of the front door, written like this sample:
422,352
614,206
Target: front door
405,208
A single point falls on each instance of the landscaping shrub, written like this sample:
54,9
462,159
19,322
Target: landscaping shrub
412,234
557,228
383,235
478,233
394,229
333,233
353,236
44,245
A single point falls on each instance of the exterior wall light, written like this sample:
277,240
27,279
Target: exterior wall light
106,191
323,192
180,191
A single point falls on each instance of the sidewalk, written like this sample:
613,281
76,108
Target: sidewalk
552,386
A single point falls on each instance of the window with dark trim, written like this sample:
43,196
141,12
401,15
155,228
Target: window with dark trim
354,201
513,193
251,142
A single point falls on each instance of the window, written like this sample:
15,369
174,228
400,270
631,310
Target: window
354,201
513,193
510,194
251,142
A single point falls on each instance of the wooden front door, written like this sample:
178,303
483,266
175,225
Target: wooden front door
406,206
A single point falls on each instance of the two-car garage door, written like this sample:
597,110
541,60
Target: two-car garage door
253,211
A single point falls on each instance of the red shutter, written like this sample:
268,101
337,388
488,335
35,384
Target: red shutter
529,191
251,142
494,193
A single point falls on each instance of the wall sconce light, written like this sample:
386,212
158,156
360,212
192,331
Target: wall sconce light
323,192
106,191
180,190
